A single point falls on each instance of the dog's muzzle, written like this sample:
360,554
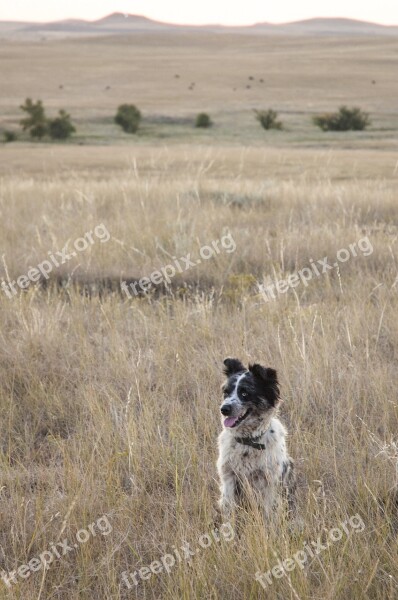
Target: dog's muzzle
233,421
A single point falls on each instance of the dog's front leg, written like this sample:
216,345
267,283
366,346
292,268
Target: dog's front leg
227,500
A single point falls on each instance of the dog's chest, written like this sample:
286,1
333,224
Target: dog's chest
251,463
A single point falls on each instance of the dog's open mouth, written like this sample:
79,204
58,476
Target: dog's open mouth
234,421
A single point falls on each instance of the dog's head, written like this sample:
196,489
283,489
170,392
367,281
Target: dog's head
250,394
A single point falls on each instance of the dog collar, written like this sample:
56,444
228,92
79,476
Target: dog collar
251,441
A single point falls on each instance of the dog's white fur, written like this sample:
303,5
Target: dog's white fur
263,471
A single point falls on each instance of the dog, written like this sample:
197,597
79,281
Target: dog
253,459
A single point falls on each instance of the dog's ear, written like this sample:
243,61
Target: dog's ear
266,374
232,365
268,382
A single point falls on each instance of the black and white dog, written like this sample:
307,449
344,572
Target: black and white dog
253,459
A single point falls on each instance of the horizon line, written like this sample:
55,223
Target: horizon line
207,24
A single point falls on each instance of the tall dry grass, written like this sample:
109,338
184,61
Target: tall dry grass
110,405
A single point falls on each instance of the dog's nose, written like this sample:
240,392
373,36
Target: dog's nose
226,409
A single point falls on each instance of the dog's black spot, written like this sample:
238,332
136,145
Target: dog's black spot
259,387
272,431
245,454
266,383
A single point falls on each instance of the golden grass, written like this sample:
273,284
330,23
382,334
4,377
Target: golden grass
110,405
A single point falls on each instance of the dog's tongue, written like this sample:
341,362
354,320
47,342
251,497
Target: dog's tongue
230,421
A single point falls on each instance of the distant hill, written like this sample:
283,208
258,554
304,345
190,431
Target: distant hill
340,26
116,23
118,18
125,22
119,23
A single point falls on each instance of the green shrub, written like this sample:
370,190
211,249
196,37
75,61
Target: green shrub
36,122
267,119
9,136
203,120
345,119
128,117
61,127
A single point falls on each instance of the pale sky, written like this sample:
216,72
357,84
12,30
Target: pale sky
228,12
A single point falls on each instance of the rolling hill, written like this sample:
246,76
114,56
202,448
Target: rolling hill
119,24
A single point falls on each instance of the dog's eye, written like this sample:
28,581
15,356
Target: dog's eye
244,394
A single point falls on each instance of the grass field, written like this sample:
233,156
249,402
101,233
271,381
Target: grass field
109,404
